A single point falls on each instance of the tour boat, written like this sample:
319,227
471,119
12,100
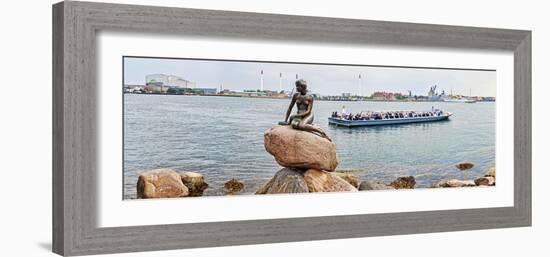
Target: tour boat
382,119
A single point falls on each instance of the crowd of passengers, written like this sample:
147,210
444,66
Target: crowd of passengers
386,115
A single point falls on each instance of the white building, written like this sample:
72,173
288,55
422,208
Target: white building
170,81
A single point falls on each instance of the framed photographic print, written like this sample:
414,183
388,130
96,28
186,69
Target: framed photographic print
183,128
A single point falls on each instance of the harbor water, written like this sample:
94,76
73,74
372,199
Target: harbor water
222,138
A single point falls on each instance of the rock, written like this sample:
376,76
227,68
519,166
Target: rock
465,166
300,149
485,181
404,183
160,183
491,172
322,181
453,183
194,182
439,184
369,185
460,183
286,180
233,186
350,178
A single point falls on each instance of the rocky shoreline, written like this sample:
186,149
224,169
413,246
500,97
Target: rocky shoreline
309,165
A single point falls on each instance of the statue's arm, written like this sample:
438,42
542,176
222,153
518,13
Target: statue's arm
292,102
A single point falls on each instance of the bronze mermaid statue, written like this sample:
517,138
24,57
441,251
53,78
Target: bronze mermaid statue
303,120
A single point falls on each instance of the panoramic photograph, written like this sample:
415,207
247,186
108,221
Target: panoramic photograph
199,127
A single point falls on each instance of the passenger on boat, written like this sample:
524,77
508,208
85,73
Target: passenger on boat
344,112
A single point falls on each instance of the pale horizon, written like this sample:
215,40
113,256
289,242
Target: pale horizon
322,79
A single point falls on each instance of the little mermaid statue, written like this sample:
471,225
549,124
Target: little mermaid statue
303,120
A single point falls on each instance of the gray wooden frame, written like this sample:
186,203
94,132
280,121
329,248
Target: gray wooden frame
74,126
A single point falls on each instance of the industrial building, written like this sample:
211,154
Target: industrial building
169,81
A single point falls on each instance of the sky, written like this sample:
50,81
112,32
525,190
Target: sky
321,79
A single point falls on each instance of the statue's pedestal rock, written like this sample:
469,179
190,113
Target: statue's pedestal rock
300,149
308,160
290,180
285,181
322,181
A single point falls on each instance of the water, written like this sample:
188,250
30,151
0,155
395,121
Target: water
222,138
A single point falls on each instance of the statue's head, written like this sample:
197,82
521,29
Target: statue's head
301,86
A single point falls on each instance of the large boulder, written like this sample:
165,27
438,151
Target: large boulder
370,185
194,182
300,149
403,183
322,181
160,183
286,180
348,177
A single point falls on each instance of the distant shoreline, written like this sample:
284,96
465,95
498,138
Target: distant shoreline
287,98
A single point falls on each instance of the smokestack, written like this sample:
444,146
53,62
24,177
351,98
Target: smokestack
280,82
360,86
262,81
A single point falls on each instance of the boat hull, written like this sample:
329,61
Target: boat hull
358,123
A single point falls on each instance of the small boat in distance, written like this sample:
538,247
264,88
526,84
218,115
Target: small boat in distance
460,99
387,118
455,100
